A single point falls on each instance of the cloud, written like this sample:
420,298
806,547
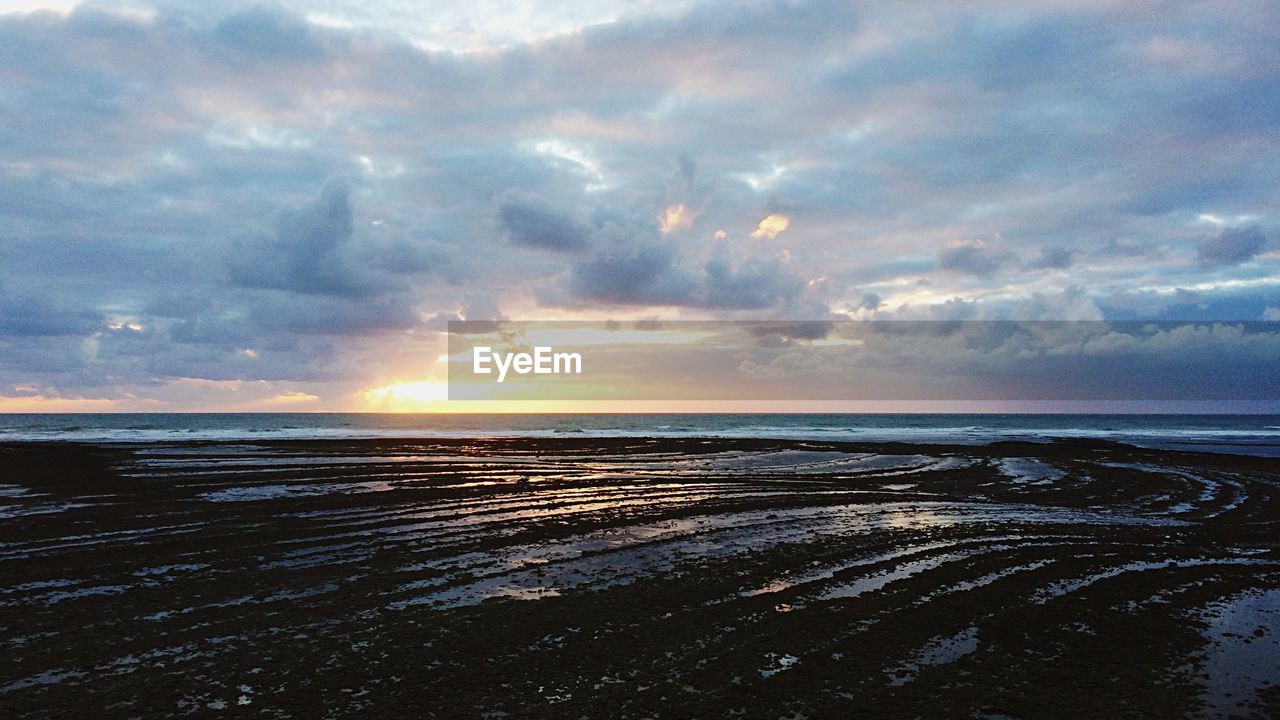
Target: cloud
1232,246
324,315
1072,304
162,168
1115,248
531,220
309,253
683,198
640,274
772,226
972,257
757,284
632,266
1054,257
870,301
481,313
268,34
1180,304
776,334
674,218
478,306
40,315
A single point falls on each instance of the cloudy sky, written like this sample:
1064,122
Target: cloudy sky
279,206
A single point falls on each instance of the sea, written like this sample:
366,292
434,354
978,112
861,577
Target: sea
1241,434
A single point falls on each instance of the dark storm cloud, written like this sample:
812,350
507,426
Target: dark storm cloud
1232,246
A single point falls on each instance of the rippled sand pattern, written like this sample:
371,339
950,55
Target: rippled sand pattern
637,578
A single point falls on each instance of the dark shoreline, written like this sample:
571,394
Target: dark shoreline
633,577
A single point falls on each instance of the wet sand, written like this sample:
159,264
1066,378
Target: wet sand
635,578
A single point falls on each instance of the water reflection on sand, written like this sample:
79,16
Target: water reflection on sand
735,562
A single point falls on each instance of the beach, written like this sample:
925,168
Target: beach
637,577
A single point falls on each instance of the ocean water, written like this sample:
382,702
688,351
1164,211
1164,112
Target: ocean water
1251,434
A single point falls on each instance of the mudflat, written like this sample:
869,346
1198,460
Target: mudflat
636,578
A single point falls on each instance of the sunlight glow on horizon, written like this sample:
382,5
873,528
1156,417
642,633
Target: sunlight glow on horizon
413,396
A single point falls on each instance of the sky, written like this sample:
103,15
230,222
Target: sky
227,206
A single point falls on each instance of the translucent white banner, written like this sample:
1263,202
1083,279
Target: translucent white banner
832,360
